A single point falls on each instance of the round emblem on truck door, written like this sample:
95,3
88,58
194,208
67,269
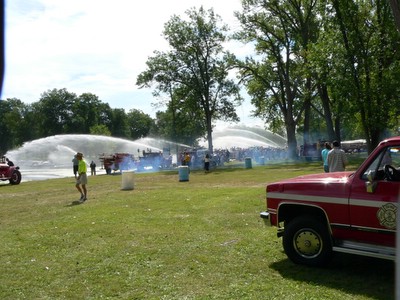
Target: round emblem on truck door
387,215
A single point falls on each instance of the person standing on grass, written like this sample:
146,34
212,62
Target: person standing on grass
92,168
81,180
324,155
207,163
75,163
337,159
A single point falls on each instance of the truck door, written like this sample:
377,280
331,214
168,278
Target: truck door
373,203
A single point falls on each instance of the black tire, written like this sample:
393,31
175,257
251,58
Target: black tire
307,241
15,177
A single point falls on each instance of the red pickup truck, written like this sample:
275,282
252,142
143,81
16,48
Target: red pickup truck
350,212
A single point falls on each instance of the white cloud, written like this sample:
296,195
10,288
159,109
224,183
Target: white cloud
92,46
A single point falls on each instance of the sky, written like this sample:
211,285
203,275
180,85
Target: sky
95,46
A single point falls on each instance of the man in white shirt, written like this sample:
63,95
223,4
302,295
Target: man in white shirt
337,159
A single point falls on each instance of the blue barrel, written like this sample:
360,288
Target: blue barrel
247,163
183,173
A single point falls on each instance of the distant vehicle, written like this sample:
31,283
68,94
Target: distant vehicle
354,146
313,151
117,161
151,161
350,212
10,173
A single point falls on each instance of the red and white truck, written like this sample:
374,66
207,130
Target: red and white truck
350,212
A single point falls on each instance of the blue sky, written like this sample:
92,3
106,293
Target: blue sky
94,46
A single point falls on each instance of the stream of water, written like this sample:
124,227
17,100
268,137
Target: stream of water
51,157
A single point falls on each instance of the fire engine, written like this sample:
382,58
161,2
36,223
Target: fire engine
117,161
10,173
151,161
350,212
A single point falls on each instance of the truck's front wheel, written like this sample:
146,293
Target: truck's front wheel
307,241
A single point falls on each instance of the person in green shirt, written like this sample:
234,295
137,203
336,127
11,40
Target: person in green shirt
81,180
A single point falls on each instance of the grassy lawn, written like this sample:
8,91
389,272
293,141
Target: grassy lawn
201,239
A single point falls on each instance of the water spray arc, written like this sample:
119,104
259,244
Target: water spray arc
56,152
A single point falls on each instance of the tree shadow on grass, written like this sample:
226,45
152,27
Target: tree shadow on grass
358,275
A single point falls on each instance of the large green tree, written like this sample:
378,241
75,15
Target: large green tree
61,112
16,124
329,69
343,53
119,123
86,113
139,124
180,122
54,111
198,65
278,77
370,41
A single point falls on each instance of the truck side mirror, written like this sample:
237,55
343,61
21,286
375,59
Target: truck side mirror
370,185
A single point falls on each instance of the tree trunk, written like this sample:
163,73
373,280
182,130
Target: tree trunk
292,144
307,113
209,134
324,95
291,140
306,122
337,129
395,6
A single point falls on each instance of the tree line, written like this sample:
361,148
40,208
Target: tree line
321,69
61,112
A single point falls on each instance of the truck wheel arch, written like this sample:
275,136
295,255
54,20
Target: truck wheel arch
289,211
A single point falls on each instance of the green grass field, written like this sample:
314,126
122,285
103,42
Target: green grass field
165,239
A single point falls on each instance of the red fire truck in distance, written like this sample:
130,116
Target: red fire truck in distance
117,161
350,212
